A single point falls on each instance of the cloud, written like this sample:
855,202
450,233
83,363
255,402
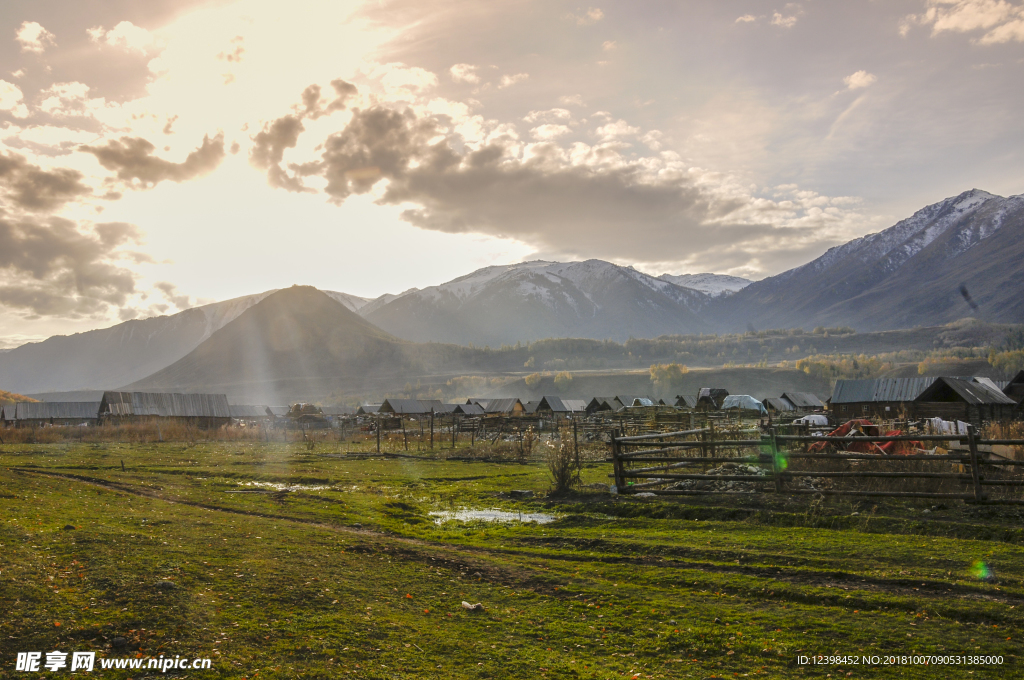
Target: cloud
133,160
784,21
549,131
609,45
746,19
591,16
508,81
268,151
397,79
619,128
464,73
30,187
556,198
859,79
176,298
549,115
10,99
34,38
1000,20
571,100
52,267
794,11
124,35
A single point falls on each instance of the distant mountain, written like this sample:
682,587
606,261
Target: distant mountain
534,300
353,303
908,275
714,285
109,357
293,342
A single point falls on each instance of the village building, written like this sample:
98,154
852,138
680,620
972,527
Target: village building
249,414
885,398
602,405
686,401
804,402
506,407
972,400
575,405
711,398
368,409
202,410
778,405
560,408
55,413
410,407
1015,390
469,410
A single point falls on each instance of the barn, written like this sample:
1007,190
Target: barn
202,410
57,413
885,398
972,400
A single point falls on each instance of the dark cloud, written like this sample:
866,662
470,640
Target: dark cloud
546,201
269,146
133,160
172,294
270,143
29,187
51,267
311,99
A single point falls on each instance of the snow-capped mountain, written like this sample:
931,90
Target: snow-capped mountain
534,300
909,274
714,285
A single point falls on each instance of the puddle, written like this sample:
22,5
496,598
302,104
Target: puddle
491,516
283,487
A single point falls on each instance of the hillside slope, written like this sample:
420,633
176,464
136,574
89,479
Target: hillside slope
294,341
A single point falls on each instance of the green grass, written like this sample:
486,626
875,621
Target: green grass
357,580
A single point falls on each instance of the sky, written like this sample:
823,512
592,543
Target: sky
159,155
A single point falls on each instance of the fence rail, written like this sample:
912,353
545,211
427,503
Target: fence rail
965,465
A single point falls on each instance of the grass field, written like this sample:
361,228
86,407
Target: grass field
196,551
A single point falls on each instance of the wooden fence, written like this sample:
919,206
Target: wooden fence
964,471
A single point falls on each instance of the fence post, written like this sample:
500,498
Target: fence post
617,467
775,460
431,429
711,438
972,443
378,433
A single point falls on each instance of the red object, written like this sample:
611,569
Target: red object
870,430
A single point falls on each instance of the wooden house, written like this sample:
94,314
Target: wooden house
686,402
885,398
972,400
711,398
202,410
1015,390
602,405
55,413
506,407
778,405
804,402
